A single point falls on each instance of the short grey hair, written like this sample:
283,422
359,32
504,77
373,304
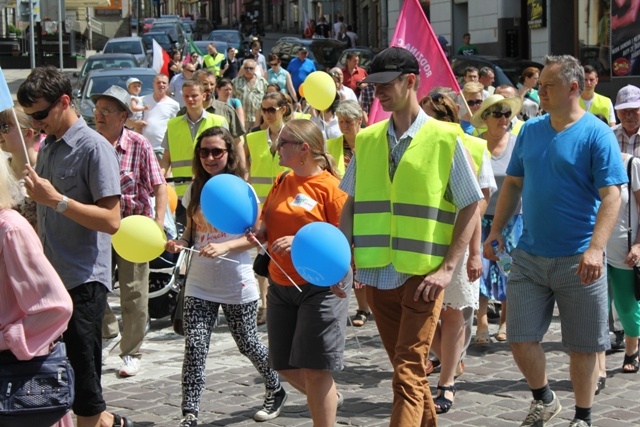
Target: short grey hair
350,109
570,69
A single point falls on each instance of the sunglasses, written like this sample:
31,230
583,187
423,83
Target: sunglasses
474,103
5,127
249,68
217,153
498,114
273,64
43,114
270,110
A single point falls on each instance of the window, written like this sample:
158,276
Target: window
594,41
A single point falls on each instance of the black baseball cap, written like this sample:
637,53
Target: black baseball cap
391,63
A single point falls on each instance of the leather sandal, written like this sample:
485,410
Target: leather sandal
442,403
482,338
601,384
631,360
360,318
119,421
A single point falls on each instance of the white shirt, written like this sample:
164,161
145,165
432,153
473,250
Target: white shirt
157,117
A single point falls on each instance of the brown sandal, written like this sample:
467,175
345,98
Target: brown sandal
360,318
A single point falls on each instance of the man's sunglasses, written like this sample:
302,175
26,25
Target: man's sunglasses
43,114
217,153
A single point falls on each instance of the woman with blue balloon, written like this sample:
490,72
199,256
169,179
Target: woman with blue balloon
306,323
221,275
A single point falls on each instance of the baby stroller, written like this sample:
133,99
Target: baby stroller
165,281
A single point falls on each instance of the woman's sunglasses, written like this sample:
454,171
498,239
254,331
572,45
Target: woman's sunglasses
43,114
217,153
474,103
270,110
498,114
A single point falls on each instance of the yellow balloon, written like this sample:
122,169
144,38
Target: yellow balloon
139,239
320,90
173,198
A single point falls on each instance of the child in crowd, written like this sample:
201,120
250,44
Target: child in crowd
134,86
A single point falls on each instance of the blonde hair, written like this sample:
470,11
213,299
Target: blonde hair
307,131
9,189
472,87
24,122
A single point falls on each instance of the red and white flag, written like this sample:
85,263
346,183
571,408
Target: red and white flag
414,33
161,59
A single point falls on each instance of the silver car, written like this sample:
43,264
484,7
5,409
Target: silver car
133,45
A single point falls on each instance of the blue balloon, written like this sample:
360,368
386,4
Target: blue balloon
321,254
229,203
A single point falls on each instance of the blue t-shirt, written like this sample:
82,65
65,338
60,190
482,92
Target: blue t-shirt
299,71
467,127
562,174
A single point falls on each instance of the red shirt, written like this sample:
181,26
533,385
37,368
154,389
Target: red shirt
353,80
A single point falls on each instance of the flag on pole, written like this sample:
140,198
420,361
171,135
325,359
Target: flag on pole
307,22
161,59
193,48
434,66
6,100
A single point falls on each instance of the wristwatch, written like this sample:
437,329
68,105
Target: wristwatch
62,205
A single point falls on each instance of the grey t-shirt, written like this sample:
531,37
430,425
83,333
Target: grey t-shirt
83,166
499,165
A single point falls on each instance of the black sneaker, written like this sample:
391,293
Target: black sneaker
189,420
273,403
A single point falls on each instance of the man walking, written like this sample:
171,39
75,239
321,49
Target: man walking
593,102
567,169
300,68
140,180
410,218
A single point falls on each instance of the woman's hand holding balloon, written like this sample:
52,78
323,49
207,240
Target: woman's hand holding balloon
282,245
214,250
340,288
255,237
176,245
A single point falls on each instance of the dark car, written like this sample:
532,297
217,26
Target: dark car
202,28
220,46
324,53
163,38
99,81
366,56
175,30
232,37
133,45
506,70
103,61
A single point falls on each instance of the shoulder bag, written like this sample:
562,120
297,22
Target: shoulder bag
36,392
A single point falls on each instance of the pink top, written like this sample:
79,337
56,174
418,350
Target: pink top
34,304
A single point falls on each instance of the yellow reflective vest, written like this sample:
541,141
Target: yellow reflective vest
476,146
213,62
407,221
600,105
265,167
335,147
181,144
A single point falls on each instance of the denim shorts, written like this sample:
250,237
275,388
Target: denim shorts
306,329
536,283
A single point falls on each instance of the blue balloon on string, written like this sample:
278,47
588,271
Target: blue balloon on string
321,254
229,203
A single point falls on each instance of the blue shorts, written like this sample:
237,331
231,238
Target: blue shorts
537,283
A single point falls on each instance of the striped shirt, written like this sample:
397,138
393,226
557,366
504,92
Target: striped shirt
462,190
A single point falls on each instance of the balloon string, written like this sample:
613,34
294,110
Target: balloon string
219,256
278,265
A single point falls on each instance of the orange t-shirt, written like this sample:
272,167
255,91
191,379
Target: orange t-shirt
293,203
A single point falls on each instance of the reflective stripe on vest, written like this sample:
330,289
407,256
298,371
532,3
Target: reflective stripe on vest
335,147
265,166
181,145
406,222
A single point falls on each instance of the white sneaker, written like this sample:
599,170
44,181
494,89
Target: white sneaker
130,366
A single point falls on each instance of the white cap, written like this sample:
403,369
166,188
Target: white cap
133,80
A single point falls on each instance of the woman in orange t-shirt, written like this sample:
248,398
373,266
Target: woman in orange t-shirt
306,326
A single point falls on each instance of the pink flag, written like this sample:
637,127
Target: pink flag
414,33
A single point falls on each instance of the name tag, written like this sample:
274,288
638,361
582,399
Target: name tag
304,201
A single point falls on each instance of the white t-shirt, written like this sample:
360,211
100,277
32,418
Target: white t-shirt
218,280
157,117
617,246
346,93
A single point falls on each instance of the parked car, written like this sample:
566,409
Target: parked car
146,26
133,45
506,70
163,38
232,37
175,30
103,61
220,46
325,53
366,56
99,81
189,29
202,28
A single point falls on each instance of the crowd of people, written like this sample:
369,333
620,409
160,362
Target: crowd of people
427,199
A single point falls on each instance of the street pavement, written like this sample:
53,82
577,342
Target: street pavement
491,392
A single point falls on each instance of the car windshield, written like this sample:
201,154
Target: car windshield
101,63
229,37
99,84
162,39
327,55
124,47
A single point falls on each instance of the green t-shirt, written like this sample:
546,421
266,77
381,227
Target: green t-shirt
467,50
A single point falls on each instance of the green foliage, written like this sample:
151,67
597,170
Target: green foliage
13,29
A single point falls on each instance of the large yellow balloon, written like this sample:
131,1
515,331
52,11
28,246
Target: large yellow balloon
319,90
139,239
173,198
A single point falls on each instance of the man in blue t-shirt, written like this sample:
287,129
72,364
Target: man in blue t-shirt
300,68
567,168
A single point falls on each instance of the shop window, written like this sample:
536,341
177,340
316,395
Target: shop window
594,35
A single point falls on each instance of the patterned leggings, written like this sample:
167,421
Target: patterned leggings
199,318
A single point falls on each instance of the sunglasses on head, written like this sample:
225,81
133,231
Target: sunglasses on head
5,127
43,114
474,103
498,114
270,110
217,153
